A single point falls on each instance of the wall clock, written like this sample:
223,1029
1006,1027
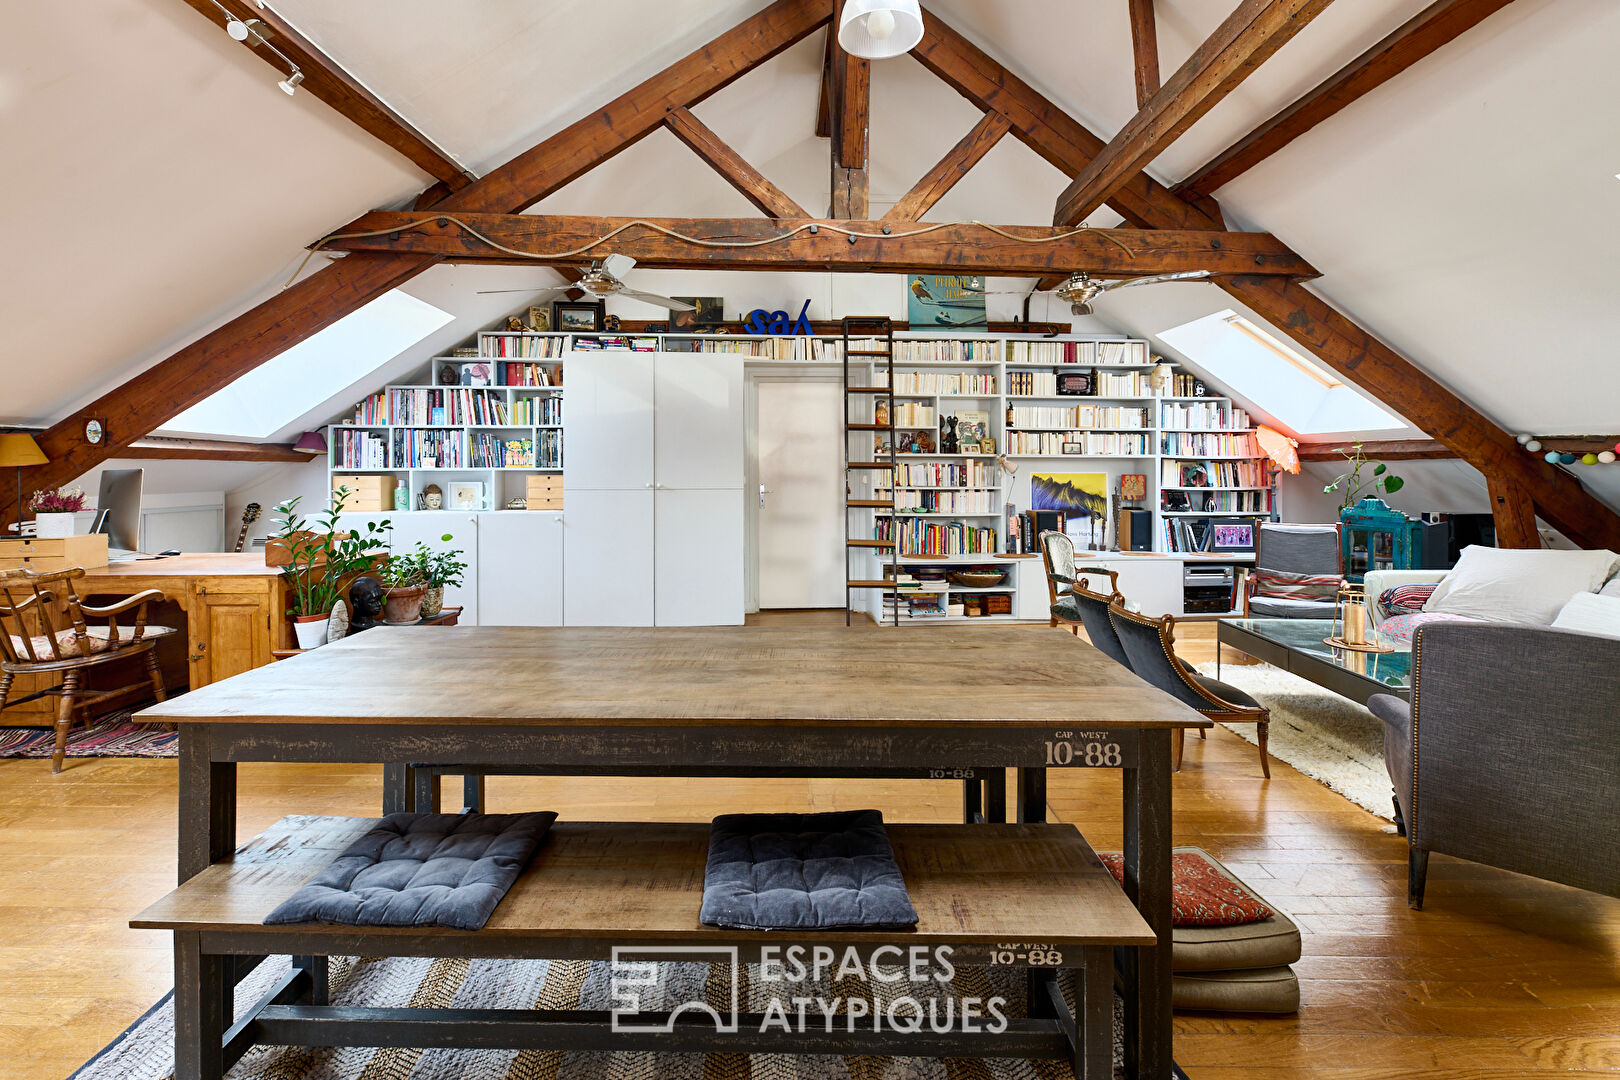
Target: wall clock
94,431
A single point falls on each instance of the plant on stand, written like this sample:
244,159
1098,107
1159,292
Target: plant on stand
405,582
53,511
443,568
1383,482
321,562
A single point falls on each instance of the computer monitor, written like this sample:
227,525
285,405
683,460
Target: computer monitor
118,509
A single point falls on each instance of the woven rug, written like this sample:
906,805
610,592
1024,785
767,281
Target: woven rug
146,1050
1328,738
111,736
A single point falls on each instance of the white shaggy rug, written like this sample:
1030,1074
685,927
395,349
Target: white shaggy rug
1328,738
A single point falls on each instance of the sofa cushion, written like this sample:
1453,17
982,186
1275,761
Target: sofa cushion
1272,990
1277,607
68,642
1514,585
1272,942
1204,893
1590,613
1399,630
1226,691
1406,599
1279,583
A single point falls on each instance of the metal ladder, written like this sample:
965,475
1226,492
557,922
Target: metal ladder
856,399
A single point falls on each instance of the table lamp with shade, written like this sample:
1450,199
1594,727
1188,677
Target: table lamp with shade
17,449
312,443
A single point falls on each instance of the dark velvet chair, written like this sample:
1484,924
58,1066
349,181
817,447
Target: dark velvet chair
1092,607
1149,645
1509,753
1293,549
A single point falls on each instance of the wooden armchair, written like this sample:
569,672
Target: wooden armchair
32,643
1063,577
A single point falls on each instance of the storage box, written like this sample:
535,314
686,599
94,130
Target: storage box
997,604
544,492
368,494
49,556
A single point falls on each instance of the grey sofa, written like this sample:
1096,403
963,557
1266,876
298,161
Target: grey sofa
1509,753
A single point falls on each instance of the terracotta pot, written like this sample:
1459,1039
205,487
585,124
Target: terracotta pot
433,602
310,630
402,606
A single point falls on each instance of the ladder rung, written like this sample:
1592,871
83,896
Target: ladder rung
870,465
871,543
870,584
871,427
867,352
882,504
868,390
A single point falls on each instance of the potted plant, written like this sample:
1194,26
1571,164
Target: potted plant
443,568
405,581
1383,481
53,511
320,562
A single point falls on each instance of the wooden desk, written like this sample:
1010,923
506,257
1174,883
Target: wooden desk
597,700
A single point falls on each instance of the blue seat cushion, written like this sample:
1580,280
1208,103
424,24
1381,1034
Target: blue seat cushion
1282,607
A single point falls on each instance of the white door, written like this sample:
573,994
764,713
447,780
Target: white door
430,528
608,558
522,557
699,560
698,441
801,510
608,422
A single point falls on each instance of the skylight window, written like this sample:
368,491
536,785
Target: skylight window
279,391
1300,392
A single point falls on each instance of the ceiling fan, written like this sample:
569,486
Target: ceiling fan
1081,289
606,278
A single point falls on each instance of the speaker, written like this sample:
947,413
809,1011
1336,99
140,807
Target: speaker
1137,531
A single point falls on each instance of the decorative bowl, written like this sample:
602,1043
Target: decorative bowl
978,579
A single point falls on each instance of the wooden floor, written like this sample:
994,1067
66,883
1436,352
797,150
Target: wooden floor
1502,976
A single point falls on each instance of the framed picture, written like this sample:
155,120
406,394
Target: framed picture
576,316
1193,474
710,312
1073,448
972,428
539,320
1133,486
1081,383
466,495
476,375
1231,534
945,300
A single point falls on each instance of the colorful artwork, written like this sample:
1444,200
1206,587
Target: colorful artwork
954,300
1083,498
1133,485
1233,538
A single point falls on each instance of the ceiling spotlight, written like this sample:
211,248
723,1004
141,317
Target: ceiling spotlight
879,29
237,29
289,85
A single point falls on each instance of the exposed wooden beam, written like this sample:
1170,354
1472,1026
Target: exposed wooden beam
851,108
951,168
1238,46
324,79
824,124
218,358
1145,47
1513,512
1419,36
1380,450
1032,250
154,446
753,185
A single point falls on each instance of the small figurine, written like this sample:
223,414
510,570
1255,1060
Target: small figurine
337,624
515,325
366,598
517,502
432,498
947,434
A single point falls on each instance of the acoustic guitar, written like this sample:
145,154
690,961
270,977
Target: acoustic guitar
250,514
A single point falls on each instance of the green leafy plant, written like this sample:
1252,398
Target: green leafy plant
406,570
1382,482
324,557
445,568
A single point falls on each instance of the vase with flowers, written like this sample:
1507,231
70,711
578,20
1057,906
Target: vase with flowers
53,511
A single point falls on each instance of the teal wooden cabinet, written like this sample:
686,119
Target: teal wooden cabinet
1376,537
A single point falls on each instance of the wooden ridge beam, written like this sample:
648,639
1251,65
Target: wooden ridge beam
219,357
326,80
1145,50
1380,450
1238,46
1425,32
160,447
1029,251
950,168
851,92
753,185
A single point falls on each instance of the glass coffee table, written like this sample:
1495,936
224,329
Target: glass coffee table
1297,646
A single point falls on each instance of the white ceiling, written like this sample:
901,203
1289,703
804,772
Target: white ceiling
1467,212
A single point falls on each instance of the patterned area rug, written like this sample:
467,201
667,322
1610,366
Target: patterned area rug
146,1050
1328,738
111,736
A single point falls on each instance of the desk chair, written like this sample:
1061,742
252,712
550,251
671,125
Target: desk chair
1150,646
73,648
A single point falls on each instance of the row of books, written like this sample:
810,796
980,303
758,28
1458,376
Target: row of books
1180,442
1201,415
1194,501
1032,383
945,474
1024,529
936,538
538,410
355,449
616,343
1126,384
447,407
1187,534
1080,416
493,452
1184,385
956,351
908,501
531,375
1073,443
913,414
938,382
412,448
1195,474
522,345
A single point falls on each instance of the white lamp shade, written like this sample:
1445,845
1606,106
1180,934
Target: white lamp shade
855,39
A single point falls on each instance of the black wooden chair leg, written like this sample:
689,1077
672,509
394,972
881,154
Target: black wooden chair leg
1417,876
1400,821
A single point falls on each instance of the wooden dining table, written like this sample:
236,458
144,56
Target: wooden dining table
702,701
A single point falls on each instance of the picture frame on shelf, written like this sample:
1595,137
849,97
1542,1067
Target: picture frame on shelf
1231,535
476,375
1073,448
539,320
466,495
577,316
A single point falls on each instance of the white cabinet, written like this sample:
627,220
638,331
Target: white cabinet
608,422
698,435
698,557
521,555
608,558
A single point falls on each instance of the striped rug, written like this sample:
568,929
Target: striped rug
146,1050
111,736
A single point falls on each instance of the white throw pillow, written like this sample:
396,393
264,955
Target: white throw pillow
1590,613
1519,585
1611,589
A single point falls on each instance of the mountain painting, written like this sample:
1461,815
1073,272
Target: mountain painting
1076,494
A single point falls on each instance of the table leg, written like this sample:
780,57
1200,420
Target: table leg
1147,882
972,802
428,789
399,789
202,1010
319,968
207,808
472,793
1031,794
995,796
1094,1048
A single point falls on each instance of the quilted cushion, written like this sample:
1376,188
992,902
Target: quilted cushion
68,642
1280,607
1067,608
1399,630
1203,893
803,871
421,870
1295,586
1406,599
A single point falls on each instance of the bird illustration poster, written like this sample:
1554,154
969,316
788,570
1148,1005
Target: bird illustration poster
1083,498
946,300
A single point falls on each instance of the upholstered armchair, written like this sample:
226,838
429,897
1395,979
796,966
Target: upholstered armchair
1057,552
1296,574
1509,753
43,631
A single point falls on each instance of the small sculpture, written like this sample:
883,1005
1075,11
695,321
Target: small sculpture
517,502
947,434
432,498
366,598
337,624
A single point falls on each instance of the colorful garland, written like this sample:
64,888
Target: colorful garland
1556,457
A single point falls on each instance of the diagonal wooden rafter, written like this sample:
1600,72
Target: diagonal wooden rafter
850,90
1145,48
950,168
1428,30
327,81
222,355
1288,306
211,450
753,185
1379,450
1238,46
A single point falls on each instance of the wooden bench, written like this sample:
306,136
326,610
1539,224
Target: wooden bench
1031,896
